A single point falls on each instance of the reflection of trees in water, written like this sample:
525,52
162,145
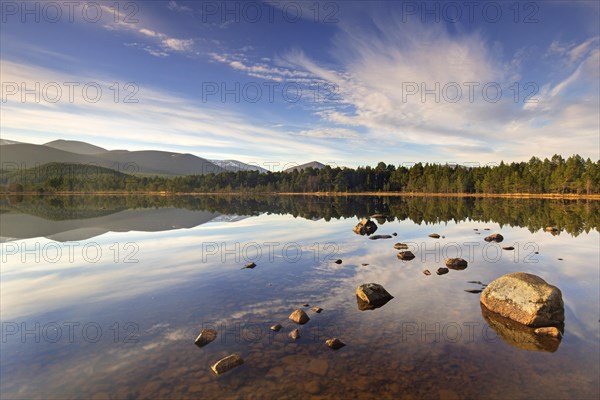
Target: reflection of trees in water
572,216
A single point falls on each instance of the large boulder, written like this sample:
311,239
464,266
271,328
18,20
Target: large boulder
365,227
371,295
525,298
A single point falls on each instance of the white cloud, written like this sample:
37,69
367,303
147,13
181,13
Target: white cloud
177,7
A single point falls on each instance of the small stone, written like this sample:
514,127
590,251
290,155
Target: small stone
456,263
305,305
338,261
317,309
400,246
335,343
364,264
496,237
295,334
406,255
227,363
276,327
486,229
551,229
365,227
508,248
443,237
375,237
318,366
205,337
434,235
477,282
442,271
427,272
559,259
312,387
250,265
548,331
475,229
394,234
299,317
473,290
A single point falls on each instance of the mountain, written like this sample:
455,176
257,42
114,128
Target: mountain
235,166
75,146
6,141
146,162
312,164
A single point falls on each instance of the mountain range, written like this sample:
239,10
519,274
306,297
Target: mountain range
144,162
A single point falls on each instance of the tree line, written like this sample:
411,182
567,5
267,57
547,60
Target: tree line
557,175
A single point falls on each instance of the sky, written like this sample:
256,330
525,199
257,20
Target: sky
346,83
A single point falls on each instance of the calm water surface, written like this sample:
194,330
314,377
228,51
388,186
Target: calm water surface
102,297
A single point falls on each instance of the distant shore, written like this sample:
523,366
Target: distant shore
556,196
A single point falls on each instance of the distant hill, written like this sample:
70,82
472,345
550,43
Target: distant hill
235,166
147,162
312,164
6,141
75,146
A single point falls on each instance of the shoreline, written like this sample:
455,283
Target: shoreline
555,196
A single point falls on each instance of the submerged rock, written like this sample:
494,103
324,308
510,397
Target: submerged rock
518,335
375,237
525,298
205,337
551,331
365,227
442,271
295,334
299,317
334,343
276,327
456,263
434,235
401,246
406,255
370,296
227,364
496,237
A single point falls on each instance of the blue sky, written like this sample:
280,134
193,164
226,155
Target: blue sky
348,83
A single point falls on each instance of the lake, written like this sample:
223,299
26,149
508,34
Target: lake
103,296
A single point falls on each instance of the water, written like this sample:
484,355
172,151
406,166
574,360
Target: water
102,297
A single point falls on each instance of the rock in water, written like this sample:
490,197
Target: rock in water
372,295
442,271
335,343
434,235
276,327
456,263
400,246
365,227
299,317
551,229
427,272
549,331
496,237
375,237
205,337
525,298
295,334
317,309
508,248
406,255
473,290
338,261
227,363
250,265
